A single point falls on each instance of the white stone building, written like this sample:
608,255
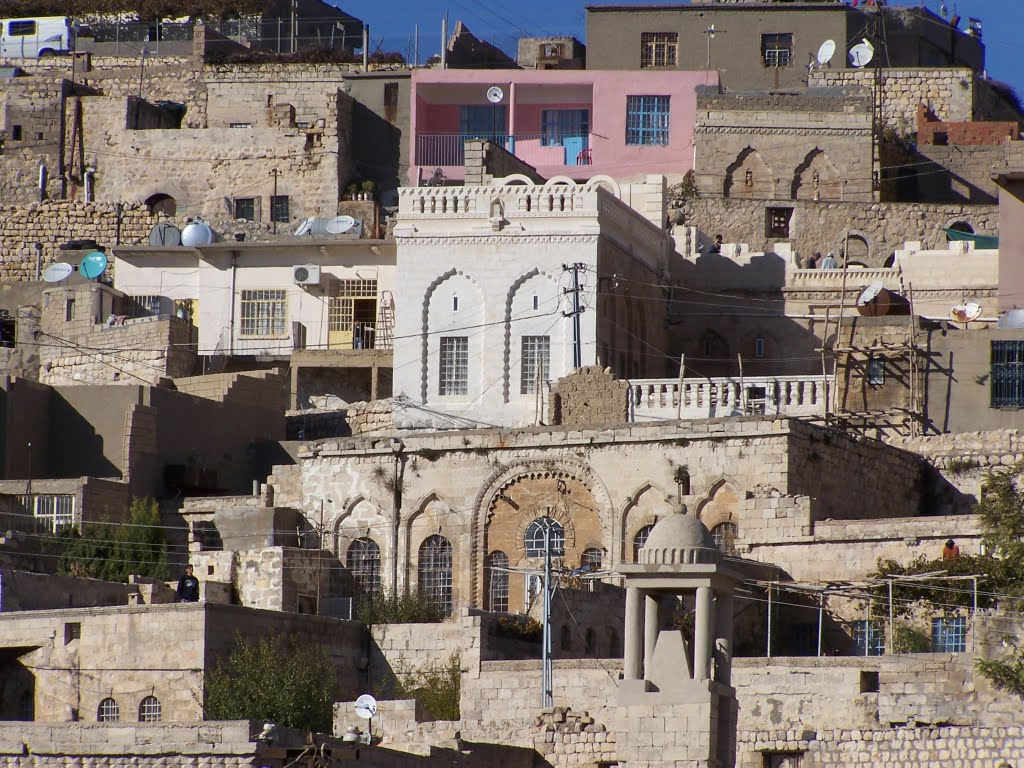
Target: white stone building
485,303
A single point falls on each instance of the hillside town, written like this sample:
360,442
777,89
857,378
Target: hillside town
652,399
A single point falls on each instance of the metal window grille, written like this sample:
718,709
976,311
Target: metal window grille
534,363
245,208
535,537
777,49
363,562
778,222
647,120
435,572
497,582
263,313
146,305
557,124
759,346
868,638
658,49
639,540
279,209
483,120
149,710
949,634
8,330
52,511
453,370
108,712
876,372
724,536
340,310
1007,364
592,558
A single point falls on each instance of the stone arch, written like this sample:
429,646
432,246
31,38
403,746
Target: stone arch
162,204
607,182
749,177
431,515
514,178
857,247
712,346
560,516
559,181
425,323
492,493
350,524
645,506
720,503
165,187
508,355
817,178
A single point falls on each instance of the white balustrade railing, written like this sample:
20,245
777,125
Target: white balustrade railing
659,399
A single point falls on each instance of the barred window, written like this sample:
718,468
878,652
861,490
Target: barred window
592,558
497,582
868,639
724,535
453,371
1007,366
363,562
435,572
658,49
777,49
279,209
647,120
146,305
245,208
263,313
639,540
535,537
108,711
53,511
949,634
534,363
149,710
341,311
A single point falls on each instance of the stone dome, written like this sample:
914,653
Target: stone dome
679,539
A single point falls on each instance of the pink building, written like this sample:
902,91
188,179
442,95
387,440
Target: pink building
577,123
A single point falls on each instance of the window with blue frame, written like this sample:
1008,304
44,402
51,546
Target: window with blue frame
868,639
647,120
949,634
483,120
1007,360
558,124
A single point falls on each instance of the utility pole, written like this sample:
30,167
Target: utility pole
547,683
577,310
711,32
273,218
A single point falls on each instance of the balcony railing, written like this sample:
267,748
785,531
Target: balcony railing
657,399
537,149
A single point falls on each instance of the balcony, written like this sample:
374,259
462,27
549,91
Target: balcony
543,151
659,399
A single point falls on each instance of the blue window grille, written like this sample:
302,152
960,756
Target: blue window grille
949,634
868,639
535,538
647,120
1007,374
558,124
483,121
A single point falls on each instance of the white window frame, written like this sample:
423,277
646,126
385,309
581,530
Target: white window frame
535,357
453,366
263,312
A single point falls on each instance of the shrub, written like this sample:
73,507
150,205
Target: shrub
436,687
393,607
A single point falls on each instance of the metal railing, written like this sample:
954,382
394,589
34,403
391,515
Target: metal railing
537,149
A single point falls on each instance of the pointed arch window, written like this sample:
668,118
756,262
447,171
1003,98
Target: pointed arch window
639,540
497,582
363,562
435,571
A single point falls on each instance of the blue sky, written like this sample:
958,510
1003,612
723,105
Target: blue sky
393,22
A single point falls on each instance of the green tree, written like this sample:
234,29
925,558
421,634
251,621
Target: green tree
113,552
280,679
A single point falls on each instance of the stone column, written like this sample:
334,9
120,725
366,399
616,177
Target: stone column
723,637
702,634
650,631
634,633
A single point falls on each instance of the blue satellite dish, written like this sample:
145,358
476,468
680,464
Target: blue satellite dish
92,265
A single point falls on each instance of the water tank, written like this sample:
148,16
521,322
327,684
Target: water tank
195,233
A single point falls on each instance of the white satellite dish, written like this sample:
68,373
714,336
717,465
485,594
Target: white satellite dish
495,94
870,293
366,706
195,233
305,226
165,234
340,224
826,52
965,312
57,272
862,53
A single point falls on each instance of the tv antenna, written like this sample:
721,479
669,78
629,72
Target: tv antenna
825,52
861,54
494,95
711,32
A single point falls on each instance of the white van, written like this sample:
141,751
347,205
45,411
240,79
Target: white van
35,38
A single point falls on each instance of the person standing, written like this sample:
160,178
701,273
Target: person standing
829,262
951,551
188,587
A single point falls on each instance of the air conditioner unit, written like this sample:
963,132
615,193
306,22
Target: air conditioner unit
306,274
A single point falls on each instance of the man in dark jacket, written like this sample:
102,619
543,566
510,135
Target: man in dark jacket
188,587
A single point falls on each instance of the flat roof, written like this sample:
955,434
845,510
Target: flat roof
756,5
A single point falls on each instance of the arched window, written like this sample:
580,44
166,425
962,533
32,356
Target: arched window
435,572
497,582
363,562
724,535
961,226
108,711
535,537
588,642
149,710
591,559
565,640
162,204
639,540
614,647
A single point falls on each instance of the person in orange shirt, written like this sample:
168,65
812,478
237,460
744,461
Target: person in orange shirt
951,551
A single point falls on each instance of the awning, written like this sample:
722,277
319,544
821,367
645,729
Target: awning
980,241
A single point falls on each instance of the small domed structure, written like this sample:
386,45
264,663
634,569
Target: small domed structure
679,539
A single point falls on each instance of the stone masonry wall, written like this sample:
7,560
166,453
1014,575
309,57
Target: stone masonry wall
590,395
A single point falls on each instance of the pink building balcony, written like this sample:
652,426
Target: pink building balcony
573,123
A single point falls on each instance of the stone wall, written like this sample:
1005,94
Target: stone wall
589,395
823,226
24,591
992,133
957,174
486,160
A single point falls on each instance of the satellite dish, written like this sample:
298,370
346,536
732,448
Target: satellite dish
57,272
862,53
826,52
965,312
340,224
305,226
93,264
870,293
495,94
1012,319
165,233
196,232
366,706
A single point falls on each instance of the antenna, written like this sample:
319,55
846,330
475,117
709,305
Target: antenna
869,294
826,52
339,225
366,707
861,54
57,272
93,264
495,94
166,234
965,312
